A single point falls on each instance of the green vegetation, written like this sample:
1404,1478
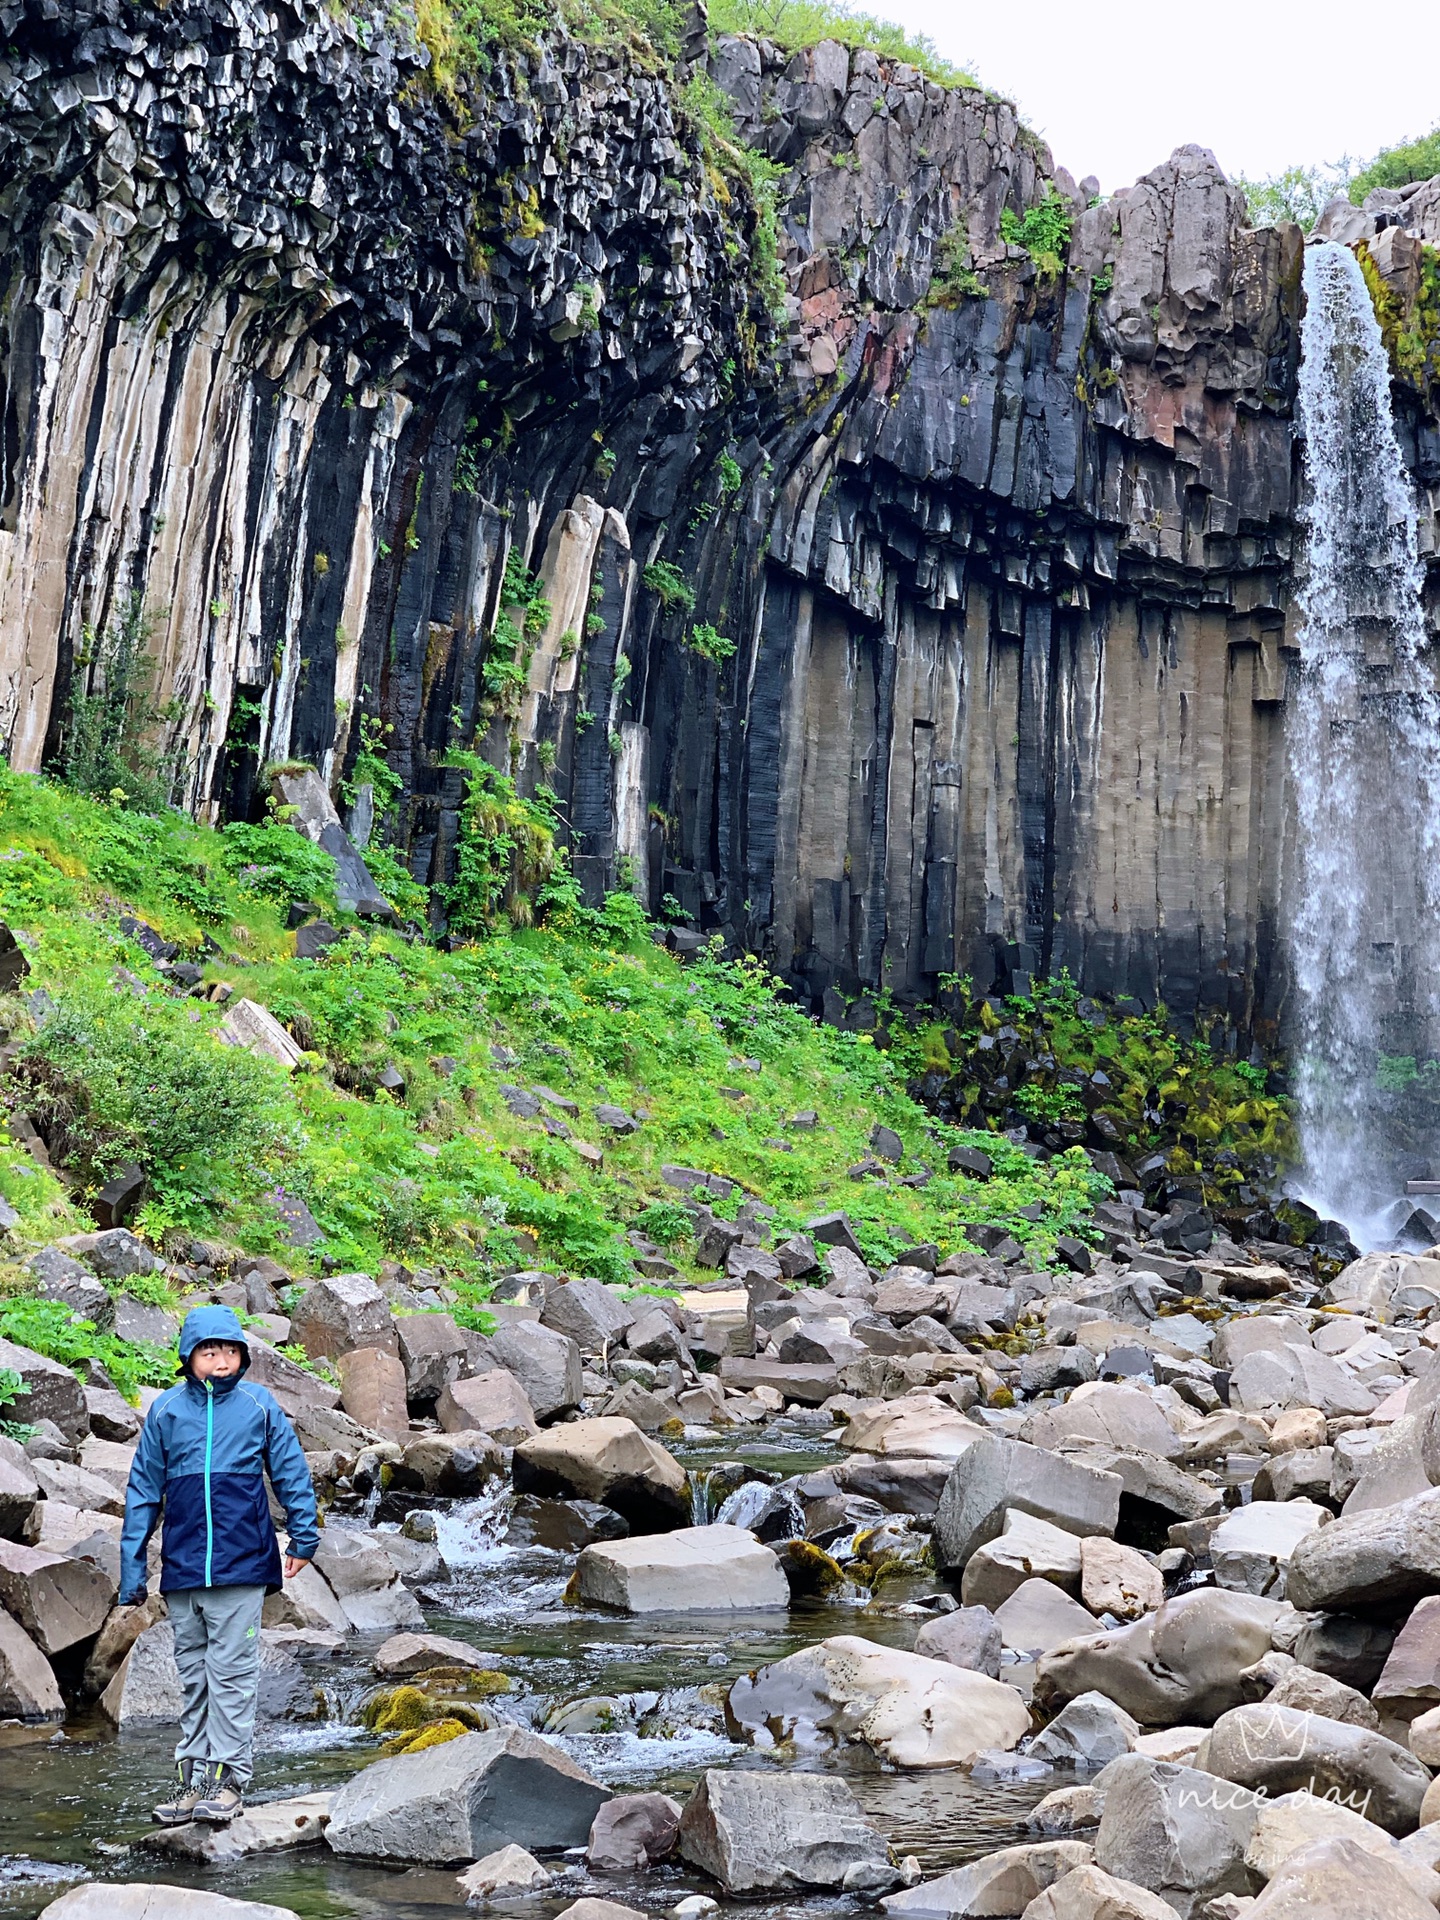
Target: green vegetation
1209,1116
1043,231
710,643
793,24
1397,166
111,715
954,279
1298,193
1410,331
394,1131
665,579
47,1327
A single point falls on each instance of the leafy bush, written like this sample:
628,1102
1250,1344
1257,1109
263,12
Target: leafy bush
114,1079
277,863
710,643
1397,166
953,278
1044,232
665,1222
1298,193
665,579
44,1326
504,854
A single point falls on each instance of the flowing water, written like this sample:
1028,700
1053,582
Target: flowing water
1363,734
638,1702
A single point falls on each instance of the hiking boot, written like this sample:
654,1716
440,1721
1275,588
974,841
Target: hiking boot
222,1799
190,1783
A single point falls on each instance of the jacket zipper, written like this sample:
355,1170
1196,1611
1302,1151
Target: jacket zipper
209,1442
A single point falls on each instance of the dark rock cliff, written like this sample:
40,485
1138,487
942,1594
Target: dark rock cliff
305,354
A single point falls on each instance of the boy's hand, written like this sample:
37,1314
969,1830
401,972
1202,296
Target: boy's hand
293,1565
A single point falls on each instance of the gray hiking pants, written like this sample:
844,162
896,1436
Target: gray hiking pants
217,1650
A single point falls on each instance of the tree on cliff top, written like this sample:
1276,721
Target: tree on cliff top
1398,166
793,24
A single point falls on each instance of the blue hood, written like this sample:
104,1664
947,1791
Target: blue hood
212,1323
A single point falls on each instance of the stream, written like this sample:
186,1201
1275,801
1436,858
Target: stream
74,1804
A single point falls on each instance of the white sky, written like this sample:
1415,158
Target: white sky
1265,84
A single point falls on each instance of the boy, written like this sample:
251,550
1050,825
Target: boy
204,1452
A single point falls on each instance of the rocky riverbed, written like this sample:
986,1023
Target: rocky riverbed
953,1587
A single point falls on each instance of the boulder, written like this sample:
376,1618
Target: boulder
1298,1820
274,1826
247,1024
968,1637
1118,1580
507,1874
307,1601
1410,1682
546,1363
1251,1548
52,1390
911,1711
1106,1415
903,1430
610,1461
1004,1882
452,1463
633,1831
146,1689
1180,1666
1284,1682
564,1526
19,1489
111,1417
995,1475
366,1583
1175,1830
465,1798
587,1313
144,1900
493,1403
693,1570
77,1487
1088,1893
781,1832
1026,1548
1337,1880
1297,1376
1377,1558
589,1908
138,1322
58,1600
27,1685
346,1311
433,1352
372,1390
1280,1750
1090,1731
406,1653
123,1627
58,1277
1038,1616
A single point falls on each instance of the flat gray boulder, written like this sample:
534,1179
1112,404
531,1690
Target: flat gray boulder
27,1685
694,1570
994,1475
1091,1894
274,1826
610,1461
1337,1880
1004,1882
466,1799
783,1832
57,1600
546,1363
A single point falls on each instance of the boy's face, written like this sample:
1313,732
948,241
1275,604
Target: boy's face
215,1360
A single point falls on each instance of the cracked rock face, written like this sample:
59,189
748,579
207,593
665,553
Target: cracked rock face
299,353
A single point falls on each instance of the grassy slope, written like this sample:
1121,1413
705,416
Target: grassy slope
443,1174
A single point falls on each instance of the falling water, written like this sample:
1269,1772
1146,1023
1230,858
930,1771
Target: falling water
1363,730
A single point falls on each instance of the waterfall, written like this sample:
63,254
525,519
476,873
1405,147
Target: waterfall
1363,742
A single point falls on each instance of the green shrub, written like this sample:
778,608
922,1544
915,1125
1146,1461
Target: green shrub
107,742
278,863
504,852
710,643
1043,230
665,1222
115,1078
665,579
44,1326
1397,166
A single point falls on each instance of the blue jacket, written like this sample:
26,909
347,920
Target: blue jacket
203,1455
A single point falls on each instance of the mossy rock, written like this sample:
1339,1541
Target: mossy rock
407,1709
478,1682
813,1574
435,1735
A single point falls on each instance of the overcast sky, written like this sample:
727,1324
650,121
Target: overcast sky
1264,83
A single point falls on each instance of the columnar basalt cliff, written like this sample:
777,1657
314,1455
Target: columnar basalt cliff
302,352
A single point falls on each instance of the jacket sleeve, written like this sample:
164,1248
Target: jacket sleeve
144,1496
290,1477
